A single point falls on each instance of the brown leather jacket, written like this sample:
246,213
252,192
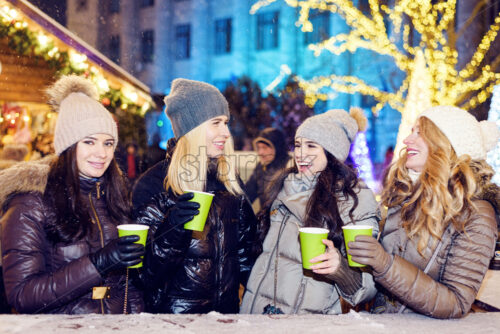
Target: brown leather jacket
453,280
41,277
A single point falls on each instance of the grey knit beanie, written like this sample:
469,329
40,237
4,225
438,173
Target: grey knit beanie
465,133
80,114
190,103
334,130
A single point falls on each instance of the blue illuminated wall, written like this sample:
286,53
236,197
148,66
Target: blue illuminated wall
257,50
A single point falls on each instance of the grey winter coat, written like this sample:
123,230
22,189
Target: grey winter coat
454,278
299,291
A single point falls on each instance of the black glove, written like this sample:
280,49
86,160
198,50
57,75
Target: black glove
118,253
179,214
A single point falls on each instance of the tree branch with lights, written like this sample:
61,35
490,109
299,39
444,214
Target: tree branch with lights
434,23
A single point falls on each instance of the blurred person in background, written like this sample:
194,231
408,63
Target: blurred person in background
271,149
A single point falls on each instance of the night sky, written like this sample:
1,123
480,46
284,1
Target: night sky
54,8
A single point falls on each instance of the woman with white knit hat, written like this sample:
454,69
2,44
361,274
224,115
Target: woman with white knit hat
319,191
60,248
440,232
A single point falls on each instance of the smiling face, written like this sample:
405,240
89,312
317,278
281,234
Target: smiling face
417,150
94,154
309,156
216,135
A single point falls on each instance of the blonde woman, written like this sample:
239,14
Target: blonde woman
439,235
185,271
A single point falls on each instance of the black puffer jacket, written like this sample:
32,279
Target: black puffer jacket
42,277
197,272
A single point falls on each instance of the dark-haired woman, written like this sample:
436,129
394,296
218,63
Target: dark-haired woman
60,249
320,191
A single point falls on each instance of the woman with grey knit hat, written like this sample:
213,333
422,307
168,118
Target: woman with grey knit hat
319,191
440,231
186,271
60,248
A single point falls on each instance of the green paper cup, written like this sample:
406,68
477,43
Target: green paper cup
350,233
134,229
311,244
205,200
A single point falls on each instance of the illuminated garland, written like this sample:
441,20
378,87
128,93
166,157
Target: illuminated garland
25,41
468,87
494,116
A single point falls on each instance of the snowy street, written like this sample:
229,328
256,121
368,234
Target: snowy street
219,323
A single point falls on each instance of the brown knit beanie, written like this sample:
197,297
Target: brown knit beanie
191,103
80,113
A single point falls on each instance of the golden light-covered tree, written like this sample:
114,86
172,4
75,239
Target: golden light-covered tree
434,24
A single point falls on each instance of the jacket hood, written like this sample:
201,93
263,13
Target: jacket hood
491,193
30,176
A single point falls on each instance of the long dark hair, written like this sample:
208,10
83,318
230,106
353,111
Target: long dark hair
322,207
69,219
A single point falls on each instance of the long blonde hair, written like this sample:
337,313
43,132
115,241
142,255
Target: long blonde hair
443,193
189,164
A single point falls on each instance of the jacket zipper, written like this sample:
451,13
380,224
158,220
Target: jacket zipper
218,247
283,223
300,296
98,222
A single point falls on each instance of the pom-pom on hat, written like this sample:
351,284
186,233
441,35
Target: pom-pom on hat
80,113
334,130
465,133
190,103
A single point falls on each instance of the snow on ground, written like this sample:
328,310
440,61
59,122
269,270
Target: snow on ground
353,323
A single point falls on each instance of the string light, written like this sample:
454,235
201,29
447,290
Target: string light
494,115
43,45
468,87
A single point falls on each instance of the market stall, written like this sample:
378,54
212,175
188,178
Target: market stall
34,51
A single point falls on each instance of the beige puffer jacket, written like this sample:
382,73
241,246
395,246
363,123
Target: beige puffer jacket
454,278
299,291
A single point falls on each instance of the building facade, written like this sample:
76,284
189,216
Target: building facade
218,41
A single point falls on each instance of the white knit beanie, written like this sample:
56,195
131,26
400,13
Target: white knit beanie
465,133
80,113
334,130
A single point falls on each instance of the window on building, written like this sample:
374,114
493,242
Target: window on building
114,48
321,27
267,30
147,46
81,5
182,41
147,3
222,36
114,6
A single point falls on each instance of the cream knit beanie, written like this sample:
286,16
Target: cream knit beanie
334,130
80,113
465,133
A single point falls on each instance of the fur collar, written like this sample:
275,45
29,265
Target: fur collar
491,193
29,176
